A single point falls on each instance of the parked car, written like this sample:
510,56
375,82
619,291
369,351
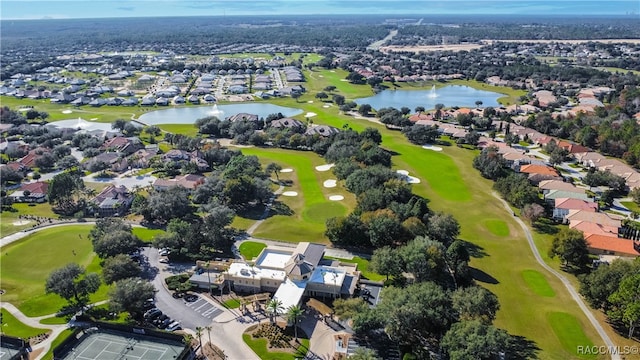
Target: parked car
191,297
173,326
164,260
152,312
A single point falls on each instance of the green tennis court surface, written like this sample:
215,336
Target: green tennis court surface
107,346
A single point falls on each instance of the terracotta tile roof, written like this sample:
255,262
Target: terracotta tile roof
38,187
592,228
594,217
538,169
576,204
616,245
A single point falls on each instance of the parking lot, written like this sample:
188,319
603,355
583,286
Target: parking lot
204,308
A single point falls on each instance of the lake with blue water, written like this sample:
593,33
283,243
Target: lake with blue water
450,96
189,115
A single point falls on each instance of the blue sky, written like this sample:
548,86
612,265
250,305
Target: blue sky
67,9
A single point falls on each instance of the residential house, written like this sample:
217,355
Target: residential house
562,207
550,185
594,217
537,173
112,201
125,145
243,116
190,182
552,195
322,130
587,227
35,192
605,245
286,123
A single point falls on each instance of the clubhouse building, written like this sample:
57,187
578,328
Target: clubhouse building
288,273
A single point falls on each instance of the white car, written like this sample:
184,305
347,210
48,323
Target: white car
164,252
164,260
173,326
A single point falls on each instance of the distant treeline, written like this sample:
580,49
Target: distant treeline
197,34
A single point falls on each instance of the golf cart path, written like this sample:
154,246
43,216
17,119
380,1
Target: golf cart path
572,291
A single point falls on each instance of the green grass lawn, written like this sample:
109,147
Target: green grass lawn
13,327
569,332
538,283
146,234
363,267
231,304
10,221
632,206
54,320
26,264
259,346
497,227
251,249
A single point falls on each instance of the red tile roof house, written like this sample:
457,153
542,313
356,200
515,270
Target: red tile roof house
605,245
538,173
587,227
35,192
594,217
563,205
189,182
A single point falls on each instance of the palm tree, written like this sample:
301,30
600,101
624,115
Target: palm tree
208,328
274,308
294,313
199,335
274,168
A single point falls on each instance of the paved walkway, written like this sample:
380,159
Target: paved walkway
572,291
35,322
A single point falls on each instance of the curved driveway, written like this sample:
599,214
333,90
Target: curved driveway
572,291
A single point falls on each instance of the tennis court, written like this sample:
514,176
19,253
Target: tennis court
108,346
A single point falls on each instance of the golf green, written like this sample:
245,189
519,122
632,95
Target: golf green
537,283
569,332
497,227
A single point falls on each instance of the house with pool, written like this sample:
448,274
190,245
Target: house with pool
289,273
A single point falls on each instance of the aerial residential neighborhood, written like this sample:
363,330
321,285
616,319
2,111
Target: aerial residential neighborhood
320,181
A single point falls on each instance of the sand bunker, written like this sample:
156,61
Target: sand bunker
310,101
24,109
336,197
402,172
21,222
413,180
93,119
326,167
290,193
326,106
330,183
310,114
67,111
287,170
432,147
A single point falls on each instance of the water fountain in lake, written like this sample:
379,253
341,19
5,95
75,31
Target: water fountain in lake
432,94
216,112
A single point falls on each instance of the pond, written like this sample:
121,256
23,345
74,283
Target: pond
450,96
189,115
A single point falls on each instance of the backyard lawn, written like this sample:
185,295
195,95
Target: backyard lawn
26,264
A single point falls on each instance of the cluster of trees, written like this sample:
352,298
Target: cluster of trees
613,288
570,246
454,323
66,193
114,242
387,212
515,188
